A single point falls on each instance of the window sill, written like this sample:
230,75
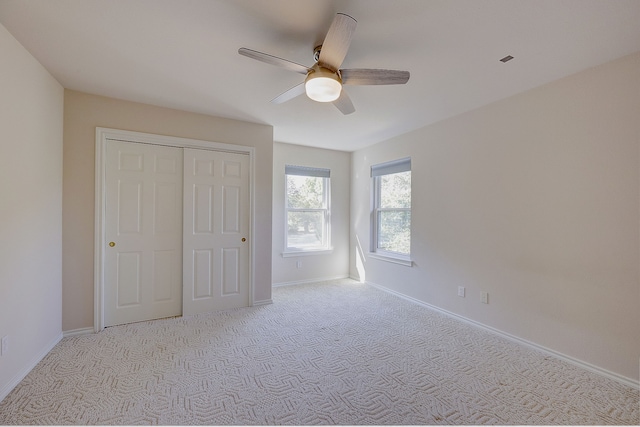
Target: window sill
289,254
406,261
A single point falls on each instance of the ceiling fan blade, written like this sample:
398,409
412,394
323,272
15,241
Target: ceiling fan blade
344,104
289,94
274,60
337,41
373,76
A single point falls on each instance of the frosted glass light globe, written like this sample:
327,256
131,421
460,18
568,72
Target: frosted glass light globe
323,86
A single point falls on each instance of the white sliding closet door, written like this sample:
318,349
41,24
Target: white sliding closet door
216,229
143,231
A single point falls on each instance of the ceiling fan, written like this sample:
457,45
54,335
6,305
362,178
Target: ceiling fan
324,80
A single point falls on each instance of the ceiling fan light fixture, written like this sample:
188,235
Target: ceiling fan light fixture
323,85
325,78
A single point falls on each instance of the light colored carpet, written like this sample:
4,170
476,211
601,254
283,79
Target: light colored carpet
328,353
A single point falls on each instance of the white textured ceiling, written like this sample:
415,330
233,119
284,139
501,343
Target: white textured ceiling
183,54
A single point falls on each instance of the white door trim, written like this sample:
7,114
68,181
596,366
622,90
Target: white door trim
105,134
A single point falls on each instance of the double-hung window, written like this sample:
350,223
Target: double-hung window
308,216
391,210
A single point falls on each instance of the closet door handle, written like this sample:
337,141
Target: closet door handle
112,244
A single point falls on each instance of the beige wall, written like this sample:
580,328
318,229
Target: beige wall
314,267
535,200
31,106
82,114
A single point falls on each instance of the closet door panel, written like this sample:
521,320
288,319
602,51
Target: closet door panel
143,230
216,222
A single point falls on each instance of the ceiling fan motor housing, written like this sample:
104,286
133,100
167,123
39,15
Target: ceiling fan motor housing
316,53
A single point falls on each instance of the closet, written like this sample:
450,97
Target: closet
173,229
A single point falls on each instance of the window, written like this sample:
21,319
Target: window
391,213
307,209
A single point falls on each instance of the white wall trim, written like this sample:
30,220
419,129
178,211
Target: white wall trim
406,261
293,254
105,134
262,302
76,332
303,282
19,376
629,382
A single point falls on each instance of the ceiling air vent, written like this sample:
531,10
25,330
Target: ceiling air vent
506,58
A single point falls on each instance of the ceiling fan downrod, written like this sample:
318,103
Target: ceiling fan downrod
316,53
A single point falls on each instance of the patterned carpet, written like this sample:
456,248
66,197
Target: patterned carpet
328,353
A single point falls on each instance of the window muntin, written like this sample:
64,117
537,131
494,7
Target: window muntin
391,216
307,209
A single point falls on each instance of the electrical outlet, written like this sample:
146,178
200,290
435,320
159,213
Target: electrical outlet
4,345
484,297
461,291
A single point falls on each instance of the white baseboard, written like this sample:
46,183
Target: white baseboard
630,382
303,282
80,331
6,389
262,302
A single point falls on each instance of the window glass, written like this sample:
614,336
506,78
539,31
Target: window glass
394,231
307,209
391,227
305,192
305,230
395,190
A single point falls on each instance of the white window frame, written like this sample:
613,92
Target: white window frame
377,171
290,251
